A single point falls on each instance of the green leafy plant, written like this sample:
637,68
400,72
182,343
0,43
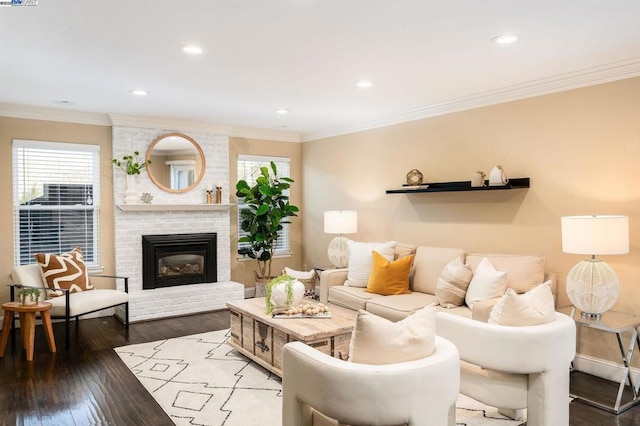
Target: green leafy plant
267,209
28,293
288,283
131,163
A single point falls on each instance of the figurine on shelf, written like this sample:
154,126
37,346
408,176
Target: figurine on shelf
146,198
414,177
209,192
218,193
498,177
477,180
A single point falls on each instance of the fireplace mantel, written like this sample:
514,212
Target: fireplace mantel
171,207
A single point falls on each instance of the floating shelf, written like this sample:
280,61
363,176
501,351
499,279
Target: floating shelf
171,207
516,183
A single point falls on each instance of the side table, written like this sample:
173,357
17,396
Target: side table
27,324
615,323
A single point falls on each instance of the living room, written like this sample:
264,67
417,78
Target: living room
575,134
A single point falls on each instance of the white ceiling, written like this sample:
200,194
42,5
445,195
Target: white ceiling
424,57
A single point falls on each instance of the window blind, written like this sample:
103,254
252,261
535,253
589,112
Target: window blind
56,195
249,170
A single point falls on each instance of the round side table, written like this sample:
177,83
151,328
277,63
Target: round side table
27,324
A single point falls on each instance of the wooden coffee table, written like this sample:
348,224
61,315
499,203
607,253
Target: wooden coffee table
260,337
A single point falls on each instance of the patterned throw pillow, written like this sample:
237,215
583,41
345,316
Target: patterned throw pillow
64,271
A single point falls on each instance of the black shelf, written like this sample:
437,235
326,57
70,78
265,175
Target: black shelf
516,183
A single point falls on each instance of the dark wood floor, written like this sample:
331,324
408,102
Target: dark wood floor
89,385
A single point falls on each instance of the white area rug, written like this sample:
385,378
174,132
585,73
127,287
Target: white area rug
200,380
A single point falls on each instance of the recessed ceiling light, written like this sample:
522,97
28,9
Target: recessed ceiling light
505,38
282,111
364,84
192,49
139,92
63,102
280,126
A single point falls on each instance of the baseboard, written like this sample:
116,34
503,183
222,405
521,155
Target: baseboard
601,368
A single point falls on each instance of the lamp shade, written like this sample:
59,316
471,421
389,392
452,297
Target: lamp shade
597,234
340,222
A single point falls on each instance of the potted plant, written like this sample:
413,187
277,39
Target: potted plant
28,295
283,291
132,165
266,209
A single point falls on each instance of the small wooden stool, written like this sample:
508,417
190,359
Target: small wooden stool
27,325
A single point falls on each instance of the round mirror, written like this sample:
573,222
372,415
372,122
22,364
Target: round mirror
177,162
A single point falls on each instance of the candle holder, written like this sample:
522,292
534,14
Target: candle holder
218,194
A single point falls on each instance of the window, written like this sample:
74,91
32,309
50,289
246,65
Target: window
249,169
56,197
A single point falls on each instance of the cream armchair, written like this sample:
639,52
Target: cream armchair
73,305
513,368
420,393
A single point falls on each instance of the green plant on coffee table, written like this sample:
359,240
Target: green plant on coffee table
288,285
131,163
28,293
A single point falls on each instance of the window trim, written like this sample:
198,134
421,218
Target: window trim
95,151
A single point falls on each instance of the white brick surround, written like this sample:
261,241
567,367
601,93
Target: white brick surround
131,225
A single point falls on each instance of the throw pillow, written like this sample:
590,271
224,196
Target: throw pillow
531,308
64,271
389,278
453,283
376,340
360,260
486,283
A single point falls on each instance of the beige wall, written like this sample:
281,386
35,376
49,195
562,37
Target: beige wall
242,270
14,128
580,148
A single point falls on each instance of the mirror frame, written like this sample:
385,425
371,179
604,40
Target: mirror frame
197,179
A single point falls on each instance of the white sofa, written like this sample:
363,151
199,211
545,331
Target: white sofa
322,390
523,273
511,368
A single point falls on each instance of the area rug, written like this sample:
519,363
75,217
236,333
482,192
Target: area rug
200,380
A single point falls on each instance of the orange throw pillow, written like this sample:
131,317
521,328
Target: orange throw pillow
64,271
389,277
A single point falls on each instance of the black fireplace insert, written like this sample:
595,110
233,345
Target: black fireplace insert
178,259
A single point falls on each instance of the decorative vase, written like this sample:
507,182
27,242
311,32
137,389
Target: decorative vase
497,176
131,195
26,300
279,297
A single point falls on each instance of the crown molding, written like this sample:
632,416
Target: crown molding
53,114
125,120
194,126
270,135
557,83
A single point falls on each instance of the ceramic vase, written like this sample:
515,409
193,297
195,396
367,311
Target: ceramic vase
131,195
279,294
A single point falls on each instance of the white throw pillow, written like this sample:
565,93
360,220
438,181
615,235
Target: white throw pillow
376,340
453,283
531,308
361,259
487,283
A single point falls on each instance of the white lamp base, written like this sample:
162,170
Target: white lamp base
338,252
592,287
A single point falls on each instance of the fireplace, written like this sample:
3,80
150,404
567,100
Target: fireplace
178,259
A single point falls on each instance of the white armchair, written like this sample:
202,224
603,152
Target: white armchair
513,368
73,305
421,392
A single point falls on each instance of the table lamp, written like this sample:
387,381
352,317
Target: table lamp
340,222
592,285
